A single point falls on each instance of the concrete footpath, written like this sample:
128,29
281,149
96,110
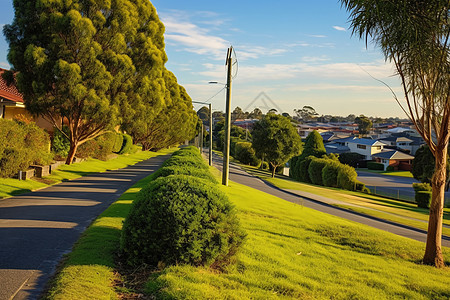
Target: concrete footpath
38,228
323,204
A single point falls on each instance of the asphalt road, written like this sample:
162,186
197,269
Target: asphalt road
242,177
38,228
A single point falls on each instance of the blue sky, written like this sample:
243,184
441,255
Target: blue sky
296,52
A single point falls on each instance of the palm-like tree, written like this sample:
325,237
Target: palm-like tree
414,36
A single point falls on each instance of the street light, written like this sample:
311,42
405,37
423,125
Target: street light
210,130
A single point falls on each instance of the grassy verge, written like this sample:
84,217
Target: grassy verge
292,252
390,173
11,187
388,209
88,271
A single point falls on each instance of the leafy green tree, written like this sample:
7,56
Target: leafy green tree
414,36
307,113
364,124
175,122
256,114
79,61
313,146
237,113
276,140
423,165
203,114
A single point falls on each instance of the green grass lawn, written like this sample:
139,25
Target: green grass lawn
11,187
292,252
391,173
388,209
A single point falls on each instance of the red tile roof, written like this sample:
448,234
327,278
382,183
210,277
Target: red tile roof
9,92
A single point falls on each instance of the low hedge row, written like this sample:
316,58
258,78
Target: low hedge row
327,172
182,217
423,194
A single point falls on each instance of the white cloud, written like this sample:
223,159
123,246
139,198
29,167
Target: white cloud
317,35
315,58
339,28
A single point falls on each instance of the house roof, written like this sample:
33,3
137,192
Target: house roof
9,92
396,139
394,154
398,130
367,142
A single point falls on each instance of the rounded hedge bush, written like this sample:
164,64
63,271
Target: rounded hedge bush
346,178
303,166
181,219
423,199
127,144
187,161
183,170
330,173
315,170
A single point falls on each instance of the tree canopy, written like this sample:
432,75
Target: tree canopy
313,146
276,140
364,124
89,64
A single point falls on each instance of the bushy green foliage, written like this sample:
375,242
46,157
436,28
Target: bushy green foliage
303,166
127,143
293,167
265,165
22,145
246,154
184,170
421,187
313,146
60,143
188,161
346,178
330,173
351,158
181,219
390,168
315,170
371,165
100,147
423,199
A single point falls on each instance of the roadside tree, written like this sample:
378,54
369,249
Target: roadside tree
414,36
276,140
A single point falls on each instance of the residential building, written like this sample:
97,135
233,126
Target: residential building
396,159
365,147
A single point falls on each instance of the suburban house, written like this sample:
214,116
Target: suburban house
365,147
12,104
404,142
396,159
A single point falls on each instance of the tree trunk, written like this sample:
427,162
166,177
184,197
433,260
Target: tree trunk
72,151
274,168
433,250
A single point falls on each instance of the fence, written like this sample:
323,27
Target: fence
399,194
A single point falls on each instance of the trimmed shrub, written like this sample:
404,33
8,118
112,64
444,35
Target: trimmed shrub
246,154
390,168
419,186
187,161
118,142
303,165
293,167
371,165
181,219
315,170
184,170
330,173
127,144
351,158
100,147
346,178
423,199
22,145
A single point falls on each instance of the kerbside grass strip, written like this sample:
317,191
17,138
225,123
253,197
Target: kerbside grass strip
293,252
12,187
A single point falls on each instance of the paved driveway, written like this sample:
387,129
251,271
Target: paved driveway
37,228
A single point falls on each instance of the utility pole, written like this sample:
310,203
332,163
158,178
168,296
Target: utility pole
226,150
210,134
